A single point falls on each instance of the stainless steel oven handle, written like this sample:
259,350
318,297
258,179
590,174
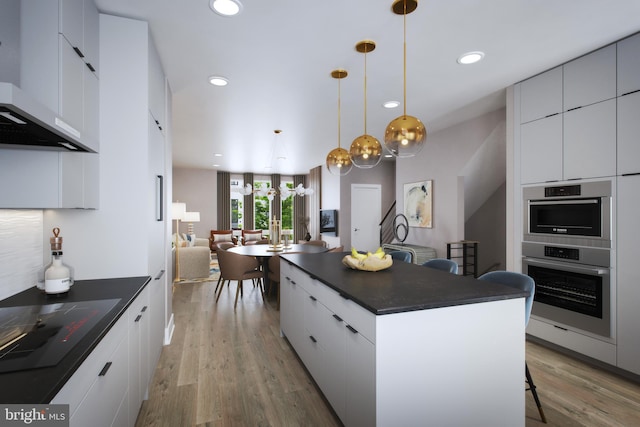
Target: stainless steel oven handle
576,268
563,202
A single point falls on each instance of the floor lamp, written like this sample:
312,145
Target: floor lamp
178,211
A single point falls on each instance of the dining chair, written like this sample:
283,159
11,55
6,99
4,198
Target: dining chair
239,267
400,256
527,284
315,242
274,277
442,264
337,249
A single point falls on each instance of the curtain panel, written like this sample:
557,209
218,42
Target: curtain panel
224,201
248,203
276,206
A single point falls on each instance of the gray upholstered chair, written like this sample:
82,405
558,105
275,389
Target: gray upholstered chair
442,264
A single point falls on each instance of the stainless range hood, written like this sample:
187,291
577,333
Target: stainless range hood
27,124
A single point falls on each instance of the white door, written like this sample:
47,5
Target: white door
366,201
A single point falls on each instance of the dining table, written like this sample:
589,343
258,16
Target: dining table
263,252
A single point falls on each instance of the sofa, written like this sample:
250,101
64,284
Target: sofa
194,257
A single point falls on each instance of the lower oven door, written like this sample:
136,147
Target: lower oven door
571,294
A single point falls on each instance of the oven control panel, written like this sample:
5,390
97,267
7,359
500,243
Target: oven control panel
564,253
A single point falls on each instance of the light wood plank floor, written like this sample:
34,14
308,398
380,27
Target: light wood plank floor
226,368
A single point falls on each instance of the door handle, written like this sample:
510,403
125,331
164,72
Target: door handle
356,229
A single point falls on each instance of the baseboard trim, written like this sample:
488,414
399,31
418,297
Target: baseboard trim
586,359
168,331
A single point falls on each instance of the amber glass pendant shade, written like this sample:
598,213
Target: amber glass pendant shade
366,150
339,162
405,136
338,159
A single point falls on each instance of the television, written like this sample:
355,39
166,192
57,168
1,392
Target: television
329,222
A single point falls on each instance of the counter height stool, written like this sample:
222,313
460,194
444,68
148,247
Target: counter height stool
527,284
442,264
403,256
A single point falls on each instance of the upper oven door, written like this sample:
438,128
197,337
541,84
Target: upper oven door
569,215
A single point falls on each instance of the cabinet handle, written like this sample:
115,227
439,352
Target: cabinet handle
574,108
138,318
105,369
312,338
344,296
287,277
144,309
159,275
352,329
89,66
78,51
630,174
312,298
629,93
293,282
338,318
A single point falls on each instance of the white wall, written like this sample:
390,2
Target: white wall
442,160
198,189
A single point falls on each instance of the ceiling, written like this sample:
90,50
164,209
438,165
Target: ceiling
278,56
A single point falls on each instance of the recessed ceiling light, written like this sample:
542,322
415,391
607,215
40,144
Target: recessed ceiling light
391,104
217,155
388,155
218,81
470,57
216,166
226,7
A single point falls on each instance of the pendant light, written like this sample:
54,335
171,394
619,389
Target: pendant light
338,160
366,150
405,135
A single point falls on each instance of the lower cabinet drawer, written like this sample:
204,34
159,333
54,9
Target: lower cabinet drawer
77,387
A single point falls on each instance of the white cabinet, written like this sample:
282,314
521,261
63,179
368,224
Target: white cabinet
59,58
629,133
590,141
541,95
139,323
628,277
322,328
156,88
628,65
95,391
590,78
541,155
48,179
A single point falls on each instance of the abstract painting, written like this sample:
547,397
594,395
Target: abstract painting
418,203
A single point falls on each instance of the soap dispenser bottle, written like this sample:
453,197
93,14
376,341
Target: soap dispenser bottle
58,277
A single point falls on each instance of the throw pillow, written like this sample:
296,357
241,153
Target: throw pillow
252,236
222,237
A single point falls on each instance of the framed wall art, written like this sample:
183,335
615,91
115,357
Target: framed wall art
418,203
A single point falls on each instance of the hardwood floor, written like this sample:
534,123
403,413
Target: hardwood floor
227,368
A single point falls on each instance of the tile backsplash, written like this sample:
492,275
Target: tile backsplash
21,249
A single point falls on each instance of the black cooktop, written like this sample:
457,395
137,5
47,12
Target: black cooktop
37,336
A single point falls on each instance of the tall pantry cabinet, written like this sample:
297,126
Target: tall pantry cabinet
127,236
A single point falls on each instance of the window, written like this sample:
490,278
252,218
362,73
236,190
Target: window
287,209
261,207
237,205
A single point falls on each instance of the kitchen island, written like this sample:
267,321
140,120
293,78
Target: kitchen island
408,345
97,355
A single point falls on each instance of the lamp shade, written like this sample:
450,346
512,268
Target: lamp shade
366,151
178,210
191,217
339,161
405,136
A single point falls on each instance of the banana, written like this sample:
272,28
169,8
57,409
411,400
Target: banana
379,253
357,255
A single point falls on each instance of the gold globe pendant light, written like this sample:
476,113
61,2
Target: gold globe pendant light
366,150
405,135
338,160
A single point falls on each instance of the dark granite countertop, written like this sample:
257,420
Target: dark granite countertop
402,287
40,385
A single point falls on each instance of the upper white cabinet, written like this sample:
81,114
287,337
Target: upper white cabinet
590,78
157,94
49,179
59,59
629,65
541,96
541,151
590,141
629,133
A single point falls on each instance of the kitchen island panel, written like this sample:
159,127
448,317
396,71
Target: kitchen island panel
461,365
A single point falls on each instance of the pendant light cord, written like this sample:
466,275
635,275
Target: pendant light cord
405,57
365,90
339,112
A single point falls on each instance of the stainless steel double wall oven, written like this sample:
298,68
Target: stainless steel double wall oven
567,250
